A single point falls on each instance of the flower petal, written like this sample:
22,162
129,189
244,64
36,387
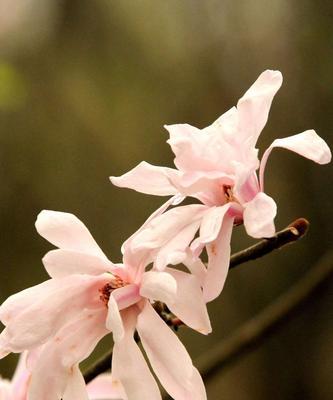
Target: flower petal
66,231
174,251
160,286
52,307
218,260
114,322
259,215
60,263
149,179
307,144
168,357
253,107
56,369
129,365
188,303
105,387
76,386
164,227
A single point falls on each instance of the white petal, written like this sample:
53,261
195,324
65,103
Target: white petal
168,357
188,303
307,144
51,309
174,251
254,106
66,231
259,216
147,178
164,227
218,261
158,286
130,367
56,369
211,223
76,386
59,263
105,387
113,320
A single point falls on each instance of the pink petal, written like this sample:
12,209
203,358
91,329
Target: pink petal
129,365
259,216
164,227
254,106
188,303
67,232
50,309
174,251
105,387
307,144
168,357
55,371
134,260
60,263
76,386
195,266
147,178
158,286
21,379
119,299
211,223
218,260
114,322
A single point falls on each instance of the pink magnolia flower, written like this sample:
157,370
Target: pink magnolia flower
61,320
218,166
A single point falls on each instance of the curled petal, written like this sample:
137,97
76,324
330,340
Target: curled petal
307,144
113,320
164,227
160,286
149,179
66,231
174,251
254,106
168,357
259,216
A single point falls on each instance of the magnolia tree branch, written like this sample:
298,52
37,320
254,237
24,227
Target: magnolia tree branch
292,233
257,329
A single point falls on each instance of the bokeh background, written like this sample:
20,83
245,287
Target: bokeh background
85,88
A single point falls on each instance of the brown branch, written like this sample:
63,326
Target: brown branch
296,230
292,233
257,329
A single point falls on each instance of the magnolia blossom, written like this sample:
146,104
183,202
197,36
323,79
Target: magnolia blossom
61,320
218,166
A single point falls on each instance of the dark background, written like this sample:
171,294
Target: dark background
85,88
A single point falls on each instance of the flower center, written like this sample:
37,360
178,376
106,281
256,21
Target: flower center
106,290
228,194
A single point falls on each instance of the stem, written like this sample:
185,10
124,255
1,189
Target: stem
296,230
292,233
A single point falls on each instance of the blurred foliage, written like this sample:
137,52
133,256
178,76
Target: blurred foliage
84,93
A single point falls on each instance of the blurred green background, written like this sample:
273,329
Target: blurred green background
85,88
